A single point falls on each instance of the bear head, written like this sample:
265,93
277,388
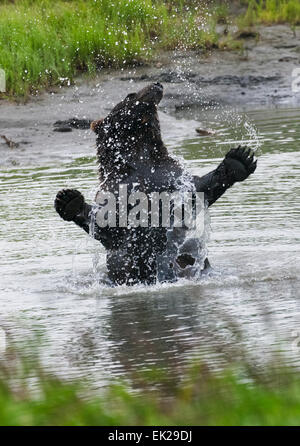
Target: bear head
130,135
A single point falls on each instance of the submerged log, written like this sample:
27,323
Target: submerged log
205,132
11,144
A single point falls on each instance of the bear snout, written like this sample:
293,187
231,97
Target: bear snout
158,85
153,93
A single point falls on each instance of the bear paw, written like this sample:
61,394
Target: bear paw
240,163
69,203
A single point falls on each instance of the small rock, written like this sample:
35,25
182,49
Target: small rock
247,33
62,129
287,46
288,59
74,123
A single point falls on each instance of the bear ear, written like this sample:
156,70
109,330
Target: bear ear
96,125
131,96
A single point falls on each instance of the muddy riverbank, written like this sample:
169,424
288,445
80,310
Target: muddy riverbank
259,76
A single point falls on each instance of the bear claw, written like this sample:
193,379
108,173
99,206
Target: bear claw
68,203
240,162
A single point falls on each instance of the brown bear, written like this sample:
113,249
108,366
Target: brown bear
131,153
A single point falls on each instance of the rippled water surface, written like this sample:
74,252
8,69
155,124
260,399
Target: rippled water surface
48,288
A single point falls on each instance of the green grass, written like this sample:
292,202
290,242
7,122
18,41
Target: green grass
204,398
272,12
45,43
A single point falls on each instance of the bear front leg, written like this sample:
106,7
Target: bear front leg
71,206
237,165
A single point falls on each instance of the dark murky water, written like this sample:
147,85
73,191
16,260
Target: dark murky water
48,288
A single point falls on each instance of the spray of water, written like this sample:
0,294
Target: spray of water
243,131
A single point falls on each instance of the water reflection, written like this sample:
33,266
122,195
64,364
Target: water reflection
251,302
